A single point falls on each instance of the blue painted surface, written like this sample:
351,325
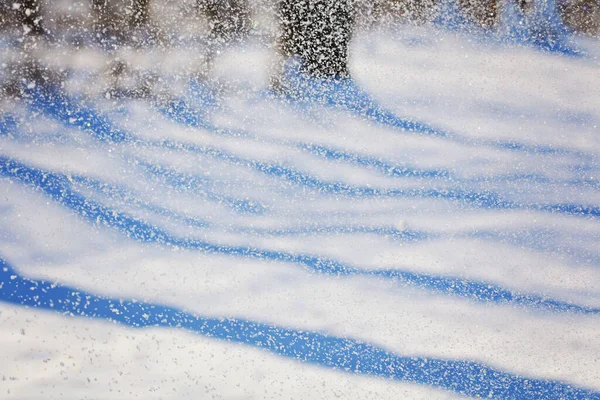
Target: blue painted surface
343,354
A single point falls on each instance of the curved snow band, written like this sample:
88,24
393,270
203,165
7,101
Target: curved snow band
536,240
189,114
349,355
302,90
61,107
116,192
488,200
186,182
120,193
344,94
180,111
59,188
53,102
8,124
83,117
385,168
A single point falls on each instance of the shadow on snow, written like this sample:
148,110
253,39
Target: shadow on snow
59,188
343,354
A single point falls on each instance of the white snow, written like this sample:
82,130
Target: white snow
450,81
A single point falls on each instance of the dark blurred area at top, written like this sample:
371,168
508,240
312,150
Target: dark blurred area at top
232,16
317,32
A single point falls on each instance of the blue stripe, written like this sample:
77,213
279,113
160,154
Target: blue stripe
189,114
72,113
184,182
485,199
8,124
541,240
349,355
116,192
86,118
345,94
59,188
385,168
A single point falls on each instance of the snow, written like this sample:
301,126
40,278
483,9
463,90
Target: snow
468,241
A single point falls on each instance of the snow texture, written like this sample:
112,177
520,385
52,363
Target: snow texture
427,228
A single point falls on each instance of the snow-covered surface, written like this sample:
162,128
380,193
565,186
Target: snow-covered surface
464,250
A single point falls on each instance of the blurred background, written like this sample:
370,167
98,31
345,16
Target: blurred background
111,39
